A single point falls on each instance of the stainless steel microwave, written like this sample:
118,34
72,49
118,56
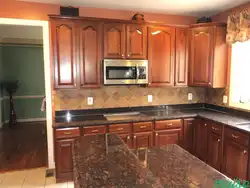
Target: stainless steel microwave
118,72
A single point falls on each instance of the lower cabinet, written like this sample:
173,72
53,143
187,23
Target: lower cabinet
127,139
188,134
142,140
165,137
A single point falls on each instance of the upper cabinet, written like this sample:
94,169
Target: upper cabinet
136,45
64,53
181,57
114,40
125,41
161,55
208,55
90,35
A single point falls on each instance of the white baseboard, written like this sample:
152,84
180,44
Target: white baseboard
28,120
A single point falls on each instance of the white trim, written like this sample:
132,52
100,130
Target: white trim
27,120
47,77
25,97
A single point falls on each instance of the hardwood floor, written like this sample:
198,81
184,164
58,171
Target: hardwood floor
23,147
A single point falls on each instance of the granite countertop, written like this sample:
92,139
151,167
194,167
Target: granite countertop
105,161
227,119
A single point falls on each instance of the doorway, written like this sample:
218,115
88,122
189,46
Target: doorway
32,123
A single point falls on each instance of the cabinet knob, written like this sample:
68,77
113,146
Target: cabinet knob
149,83
156,134
134,136
205,124
122,55
218,140
245,151
128,55
128,137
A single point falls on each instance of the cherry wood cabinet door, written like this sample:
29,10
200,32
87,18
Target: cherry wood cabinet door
90,53
142,140
127,139
201,53
181,60
235,160
136,43
64,161
161,55
214,150
64,53
188,134
166,137
114,40
201,135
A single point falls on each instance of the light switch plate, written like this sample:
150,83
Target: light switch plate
90,101
224,99
150,98
190,96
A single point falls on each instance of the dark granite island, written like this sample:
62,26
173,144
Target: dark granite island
104,161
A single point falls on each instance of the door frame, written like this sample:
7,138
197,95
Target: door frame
47,77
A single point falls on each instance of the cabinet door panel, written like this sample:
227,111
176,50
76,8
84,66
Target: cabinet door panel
214,151
90,53
201,140
161,51
114,40
127,139
181,62
64,163
235,160
168,137
188,132
142,140
201,54
64,45
136,42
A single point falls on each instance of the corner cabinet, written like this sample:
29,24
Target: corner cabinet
64,39
208,55
161,55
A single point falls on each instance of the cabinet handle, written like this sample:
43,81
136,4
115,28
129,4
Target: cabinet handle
190,123
205,124
218,140
67,133
122,55
143,126
94,131
149,83
128,55
119,129
156,134
134,136
216,129
245,151
128,137
169,124
234,136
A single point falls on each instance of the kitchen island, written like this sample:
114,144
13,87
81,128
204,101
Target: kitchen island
105,161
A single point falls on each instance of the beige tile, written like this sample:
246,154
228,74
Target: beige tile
70,184
35,178
13,179
51,183
1,178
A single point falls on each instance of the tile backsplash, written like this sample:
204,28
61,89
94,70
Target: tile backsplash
125,96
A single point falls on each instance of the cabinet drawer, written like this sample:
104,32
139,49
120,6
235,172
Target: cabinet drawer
92,130
237,136
120,128
142,126
168,124
67,132
216,128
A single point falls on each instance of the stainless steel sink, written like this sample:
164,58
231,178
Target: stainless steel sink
243,123
124,116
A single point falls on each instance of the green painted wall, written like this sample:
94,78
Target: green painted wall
24,63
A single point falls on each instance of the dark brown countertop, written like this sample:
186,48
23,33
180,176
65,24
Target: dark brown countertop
104,161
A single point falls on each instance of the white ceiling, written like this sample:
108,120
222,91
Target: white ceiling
181,7
21,32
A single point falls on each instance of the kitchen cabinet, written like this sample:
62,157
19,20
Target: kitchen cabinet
201,135
64,139
208,55
235,154
64,45
142,140
127,138
181,60
136,41
172,136
161,55
94,130
114,40
90,34
188,134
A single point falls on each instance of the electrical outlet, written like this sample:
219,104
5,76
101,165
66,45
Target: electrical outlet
90,100
150,98
224,99
190,96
